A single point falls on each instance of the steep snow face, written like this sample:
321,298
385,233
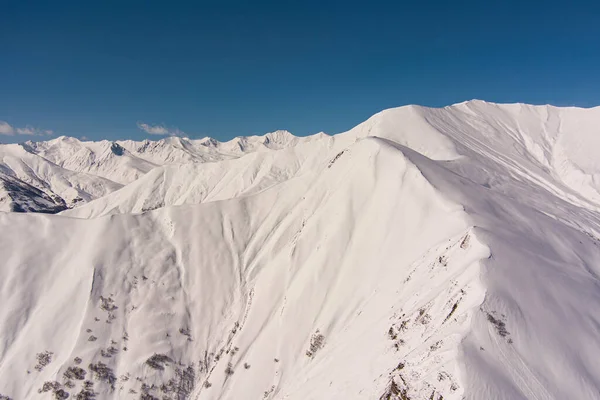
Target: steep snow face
251,296
63,187
425,254
18,196
546,145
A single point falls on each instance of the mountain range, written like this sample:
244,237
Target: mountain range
428,253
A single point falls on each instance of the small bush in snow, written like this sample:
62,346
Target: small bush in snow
111,351
60,394
48,386
498,324
107,304
229,369
43,359
87,391
103,373
158,361
185,331
75,373
316,343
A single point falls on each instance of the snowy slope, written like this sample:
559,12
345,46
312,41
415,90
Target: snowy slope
71,172
425,254
105,159
202,182
62,186
16,195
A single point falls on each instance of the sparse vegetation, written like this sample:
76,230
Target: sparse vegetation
87,391
403,326
103,373
338,155
111,351
465,242
186,381
317,341
61,394
43,359
454,307
92,338
229,369
75,373
77,360
49,386
158,361
107,304
185,331
423,317
393,392
436,345
498,324
246,366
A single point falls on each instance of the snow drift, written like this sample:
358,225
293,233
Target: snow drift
425,254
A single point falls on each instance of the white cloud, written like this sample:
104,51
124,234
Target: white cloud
6,129
159,129
9,130
25,131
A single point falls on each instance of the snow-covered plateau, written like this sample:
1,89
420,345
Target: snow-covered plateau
428,253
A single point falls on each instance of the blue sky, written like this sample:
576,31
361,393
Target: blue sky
111,69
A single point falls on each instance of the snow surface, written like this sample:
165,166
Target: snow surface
70,172
425,254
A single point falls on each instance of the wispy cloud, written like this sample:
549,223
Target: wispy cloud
8,130
159,130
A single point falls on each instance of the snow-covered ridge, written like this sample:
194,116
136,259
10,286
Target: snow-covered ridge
94,169
447,253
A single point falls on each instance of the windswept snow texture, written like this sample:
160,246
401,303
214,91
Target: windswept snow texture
431,254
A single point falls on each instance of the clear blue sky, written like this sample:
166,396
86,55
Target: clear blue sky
223,69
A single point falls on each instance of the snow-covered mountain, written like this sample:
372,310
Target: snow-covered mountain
71,172
448,253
